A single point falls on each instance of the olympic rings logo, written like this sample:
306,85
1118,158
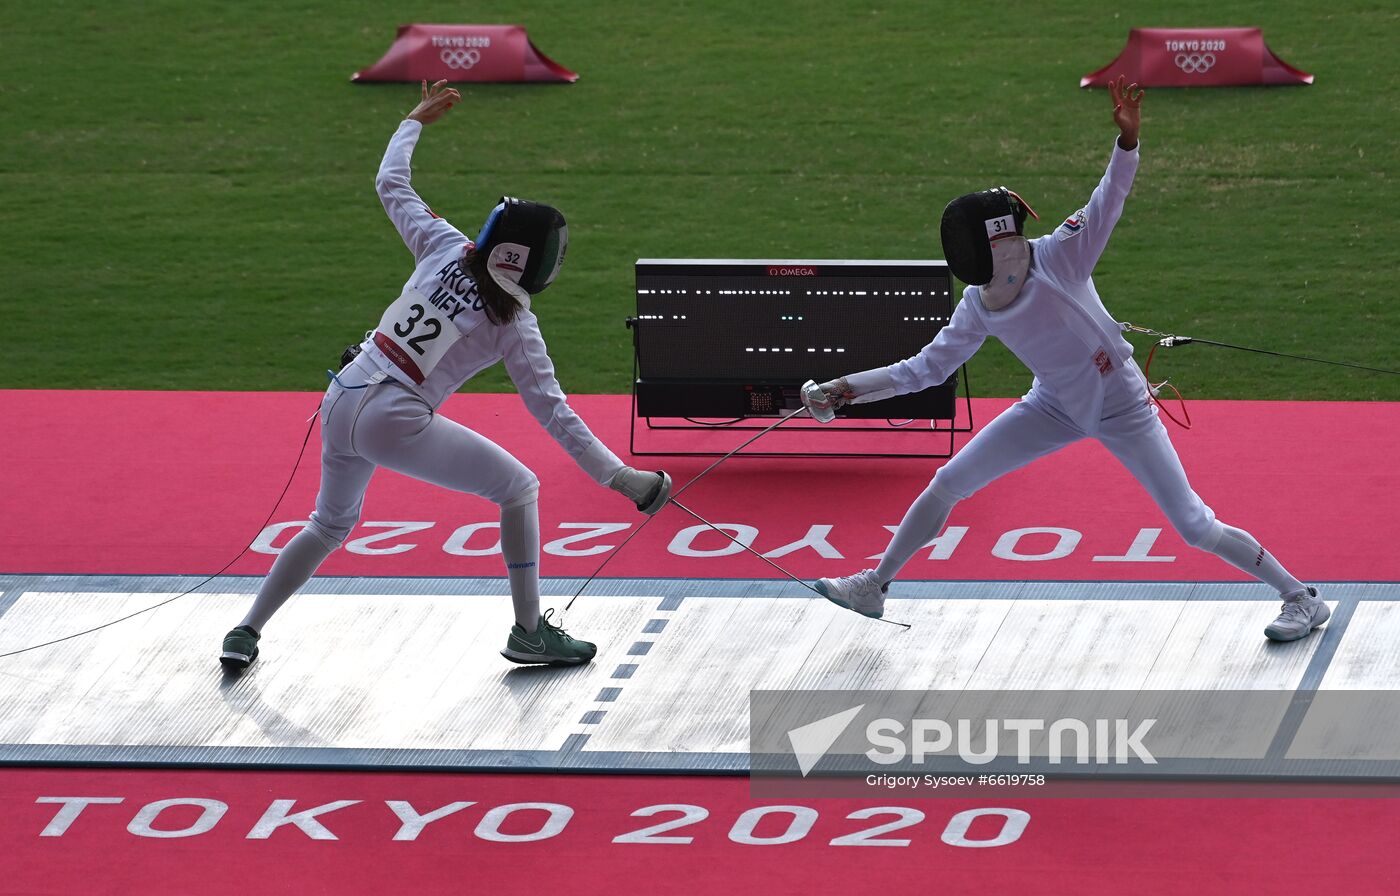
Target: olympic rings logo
1195,63
462,59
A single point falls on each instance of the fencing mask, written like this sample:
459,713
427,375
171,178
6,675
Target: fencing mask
523,243
984,246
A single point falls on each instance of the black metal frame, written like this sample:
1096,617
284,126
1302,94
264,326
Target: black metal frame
738,425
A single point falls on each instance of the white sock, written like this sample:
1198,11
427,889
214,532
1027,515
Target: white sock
520,548
922,521
1242,551
296,564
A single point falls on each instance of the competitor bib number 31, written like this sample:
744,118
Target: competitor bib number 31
415,334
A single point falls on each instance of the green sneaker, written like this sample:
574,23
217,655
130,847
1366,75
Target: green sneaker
547,645
240,648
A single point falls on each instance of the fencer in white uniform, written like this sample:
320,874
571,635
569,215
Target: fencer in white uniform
1038,298
465,307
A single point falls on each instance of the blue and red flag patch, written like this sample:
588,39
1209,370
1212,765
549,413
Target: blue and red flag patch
1073,225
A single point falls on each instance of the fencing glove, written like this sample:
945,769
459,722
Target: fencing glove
821,401
649,491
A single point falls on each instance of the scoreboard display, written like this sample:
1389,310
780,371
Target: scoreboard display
737,338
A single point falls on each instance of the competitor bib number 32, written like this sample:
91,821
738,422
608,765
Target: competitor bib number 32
415,334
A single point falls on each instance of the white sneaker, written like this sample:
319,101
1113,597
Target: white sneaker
861,592
1300,615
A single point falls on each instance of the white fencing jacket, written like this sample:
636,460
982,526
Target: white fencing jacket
1057,325
436,336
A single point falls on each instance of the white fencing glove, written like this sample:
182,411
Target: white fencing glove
649,491
821,401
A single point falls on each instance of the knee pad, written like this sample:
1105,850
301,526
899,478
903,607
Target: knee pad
331,539
528,493
942,491
1206,537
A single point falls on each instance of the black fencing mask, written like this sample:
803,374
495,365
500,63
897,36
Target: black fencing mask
523,243
984,246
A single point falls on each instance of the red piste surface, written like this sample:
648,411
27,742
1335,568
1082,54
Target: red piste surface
1109,846
121,482
179,482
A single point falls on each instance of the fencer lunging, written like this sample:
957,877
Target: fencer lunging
1038,298
466,307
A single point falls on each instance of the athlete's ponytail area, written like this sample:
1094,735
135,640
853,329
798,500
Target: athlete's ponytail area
501,306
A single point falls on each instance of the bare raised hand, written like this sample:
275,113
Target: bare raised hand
1127,110
436,100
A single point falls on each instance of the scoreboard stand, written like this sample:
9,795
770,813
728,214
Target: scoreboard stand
720,344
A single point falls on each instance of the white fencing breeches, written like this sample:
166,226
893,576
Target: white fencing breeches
1027,431
388,425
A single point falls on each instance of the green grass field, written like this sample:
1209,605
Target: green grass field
189,203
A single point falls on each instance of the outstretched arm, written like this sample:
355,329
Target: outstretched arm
528,363
1081,239
530,368
422,231
955,343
